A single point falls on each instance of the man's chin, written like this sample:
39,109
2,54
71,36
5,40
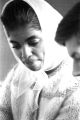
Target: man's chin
34,68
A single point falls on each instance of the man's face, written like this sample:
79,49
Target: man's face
27,43
73,47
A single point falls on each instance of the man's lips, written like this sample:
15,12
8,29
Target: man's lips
32,59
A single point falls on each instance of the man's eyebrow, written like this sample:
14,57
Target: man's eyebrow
13,42
31,38
27,39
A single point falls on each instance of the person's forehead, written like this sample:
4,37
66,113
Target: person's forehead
23,33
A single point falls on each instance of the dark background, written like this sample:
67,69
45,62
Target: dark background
7,59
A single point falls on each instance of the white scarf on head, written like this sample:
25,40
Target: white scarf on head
49,19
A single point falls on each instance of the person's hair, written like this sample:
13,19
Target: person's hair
69,25
17,13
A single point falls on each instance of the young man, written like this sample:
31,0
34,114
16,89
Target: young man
68,34
40,86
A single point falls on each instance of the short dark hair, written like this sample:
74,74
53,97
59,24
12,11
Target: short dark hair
17,13
69,25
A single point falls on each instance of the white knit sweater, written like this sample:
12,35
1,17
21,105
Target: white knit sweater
27,100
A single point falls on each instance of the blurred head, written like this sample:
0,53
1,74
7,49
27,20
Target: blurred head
69,25
73,47
68,34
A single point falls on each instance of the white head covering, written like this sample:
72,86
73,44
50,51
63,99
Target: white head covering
48,18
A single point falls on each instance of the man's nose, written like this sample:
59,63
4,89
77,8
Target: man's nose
26,50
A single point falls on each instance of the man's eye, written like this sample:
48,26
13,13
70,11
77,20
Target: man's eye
33,42
16,46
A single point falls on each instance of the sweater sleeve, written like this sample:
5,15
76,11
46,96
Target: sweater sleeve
70,109
5,104
5,98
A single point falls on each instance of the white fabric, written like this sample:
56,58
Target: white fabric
21,87
26,88
27,85
49,19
